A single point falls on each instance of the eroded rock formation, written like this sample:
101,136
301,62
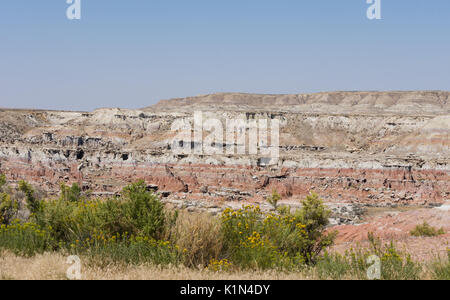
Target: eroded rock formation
374,148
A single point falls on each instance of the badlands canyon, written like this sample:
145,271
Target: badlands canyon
387,152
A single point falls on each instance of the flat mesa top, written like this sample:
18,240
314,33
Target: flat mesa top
395,102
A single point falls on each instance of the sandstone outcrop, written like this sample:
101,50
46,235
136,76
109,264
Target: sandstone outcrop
369,148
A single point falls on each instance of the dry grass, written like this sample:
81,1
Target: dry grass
51,266
200,234
46,266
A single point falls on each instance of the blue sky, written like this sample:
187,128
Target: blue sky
133,53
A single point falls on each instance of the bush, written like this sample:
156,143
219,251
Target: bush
353,264
138,213
337,267
253,239
12,205
314,216
70,221
70,194
273,199
24,239
246,239
33,203
103,250
398,266
126,229
8,209
2,181
144,212
426,230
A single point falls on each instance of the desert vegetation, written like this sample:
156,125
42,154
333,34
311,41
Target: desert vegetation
426,230
136,231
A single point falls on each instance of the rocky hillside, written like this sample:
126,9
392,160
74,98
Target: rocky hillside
396,103
372,148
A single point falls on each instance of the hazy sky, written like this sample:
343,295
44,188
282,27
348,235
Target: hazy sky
132,53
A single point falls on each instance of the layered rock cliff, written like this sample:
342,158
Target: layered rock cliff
373,148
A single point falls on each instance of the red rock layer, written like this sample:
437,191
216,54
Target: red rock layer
380,186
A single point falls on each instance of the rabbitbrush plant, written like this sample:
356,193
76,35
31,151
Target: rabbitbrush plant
257,240
426,230
354,264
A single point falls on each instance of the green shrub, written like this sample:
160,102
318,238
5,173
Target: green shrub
69,220
253,239
354,264
426,230
125,249
247,239
113,230
8,206
143,211
2,181
24,239
138,212
397,266
315,217
8,209
33,203
70,194
334,266
273,199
